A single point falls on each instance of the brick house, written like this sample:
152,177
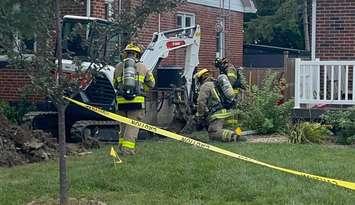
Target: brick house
207,13
335,30
329,81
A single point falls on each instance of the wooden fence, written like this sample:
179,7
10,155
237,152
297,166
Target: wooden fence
255,76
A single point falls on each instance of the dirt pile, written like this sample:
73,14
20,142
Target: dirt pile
20,146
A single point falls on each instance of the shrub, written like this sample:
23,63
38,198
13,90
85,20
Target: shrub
15,113
259,110
342,123
8,111
307,132
23,107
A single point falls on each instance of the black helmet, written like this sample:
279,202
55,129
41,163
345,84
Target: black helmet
221,64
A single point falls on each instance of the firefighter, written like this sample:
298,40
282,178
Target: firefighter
132,79
211,110
233,73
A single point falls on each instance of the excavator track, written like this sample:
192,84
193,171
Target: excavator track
93,130
46,121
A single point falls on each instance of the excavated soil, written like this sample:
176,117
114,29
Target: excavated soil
19,146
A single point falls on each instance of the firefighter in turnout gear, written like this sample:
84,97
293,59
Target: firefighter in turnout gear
211,110
233,74
132,79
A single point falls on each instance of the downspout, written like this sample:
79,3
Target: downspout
223,32
88,8
119,6
314,26
119,17
159,23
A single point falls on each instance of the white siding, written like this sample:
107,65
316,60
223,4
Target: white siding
235,5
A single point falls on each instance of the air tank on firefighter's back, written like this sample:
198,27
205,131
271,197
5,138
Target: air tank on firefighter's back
225,87
129,75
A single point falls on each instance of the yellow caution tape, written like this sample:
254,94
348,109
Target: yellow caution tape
141,125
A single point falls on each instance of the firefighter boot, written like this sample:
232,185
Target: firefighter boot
238,138
127,151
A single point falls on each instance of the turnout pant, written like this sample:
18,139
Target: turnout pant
216,131
127,133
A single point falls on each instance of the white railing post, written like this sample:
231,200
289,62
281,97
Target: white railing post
332,83
297,82
346,82
325,82
318,81
339,81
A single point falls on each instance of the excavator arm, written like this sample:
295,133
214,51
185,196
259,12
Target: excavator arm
164,42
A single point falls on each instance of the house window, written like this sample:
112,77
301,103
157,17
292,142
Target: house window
24,45
185,20
2,48
29,45
219,44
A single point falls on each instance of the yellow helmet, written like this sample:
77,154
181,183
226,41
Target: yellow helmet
133,47
201,73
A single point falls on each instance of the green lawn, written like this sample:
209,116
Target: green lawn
169,172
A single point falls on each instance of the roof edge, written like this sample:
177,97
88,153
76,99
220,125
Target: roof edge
249,6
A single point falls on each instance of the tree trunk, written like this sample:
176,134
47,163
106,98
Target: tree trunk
62,156
63,181
306,26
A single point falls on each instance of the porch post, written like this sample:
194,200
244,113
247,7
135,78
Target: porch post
297,83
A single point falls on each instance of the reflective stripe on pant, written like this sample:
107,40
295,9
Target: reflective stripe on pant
127,144
220,114
122,100
128,133
216,131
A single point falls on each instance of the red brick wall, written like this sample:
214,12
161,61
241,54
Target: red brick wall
335,30
69,7
98,8
78,8
12,84
206,17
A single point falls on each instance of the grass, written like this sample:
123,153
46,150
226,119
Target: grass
169,172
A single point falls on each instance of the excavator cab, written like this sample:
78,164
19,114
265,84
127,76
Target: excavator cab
83,40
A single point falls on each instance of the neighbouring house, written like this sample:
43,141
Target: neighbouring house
335,30
207,13
269,57
328,80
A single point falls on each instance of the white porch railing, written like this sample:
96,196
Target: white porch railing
324,82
